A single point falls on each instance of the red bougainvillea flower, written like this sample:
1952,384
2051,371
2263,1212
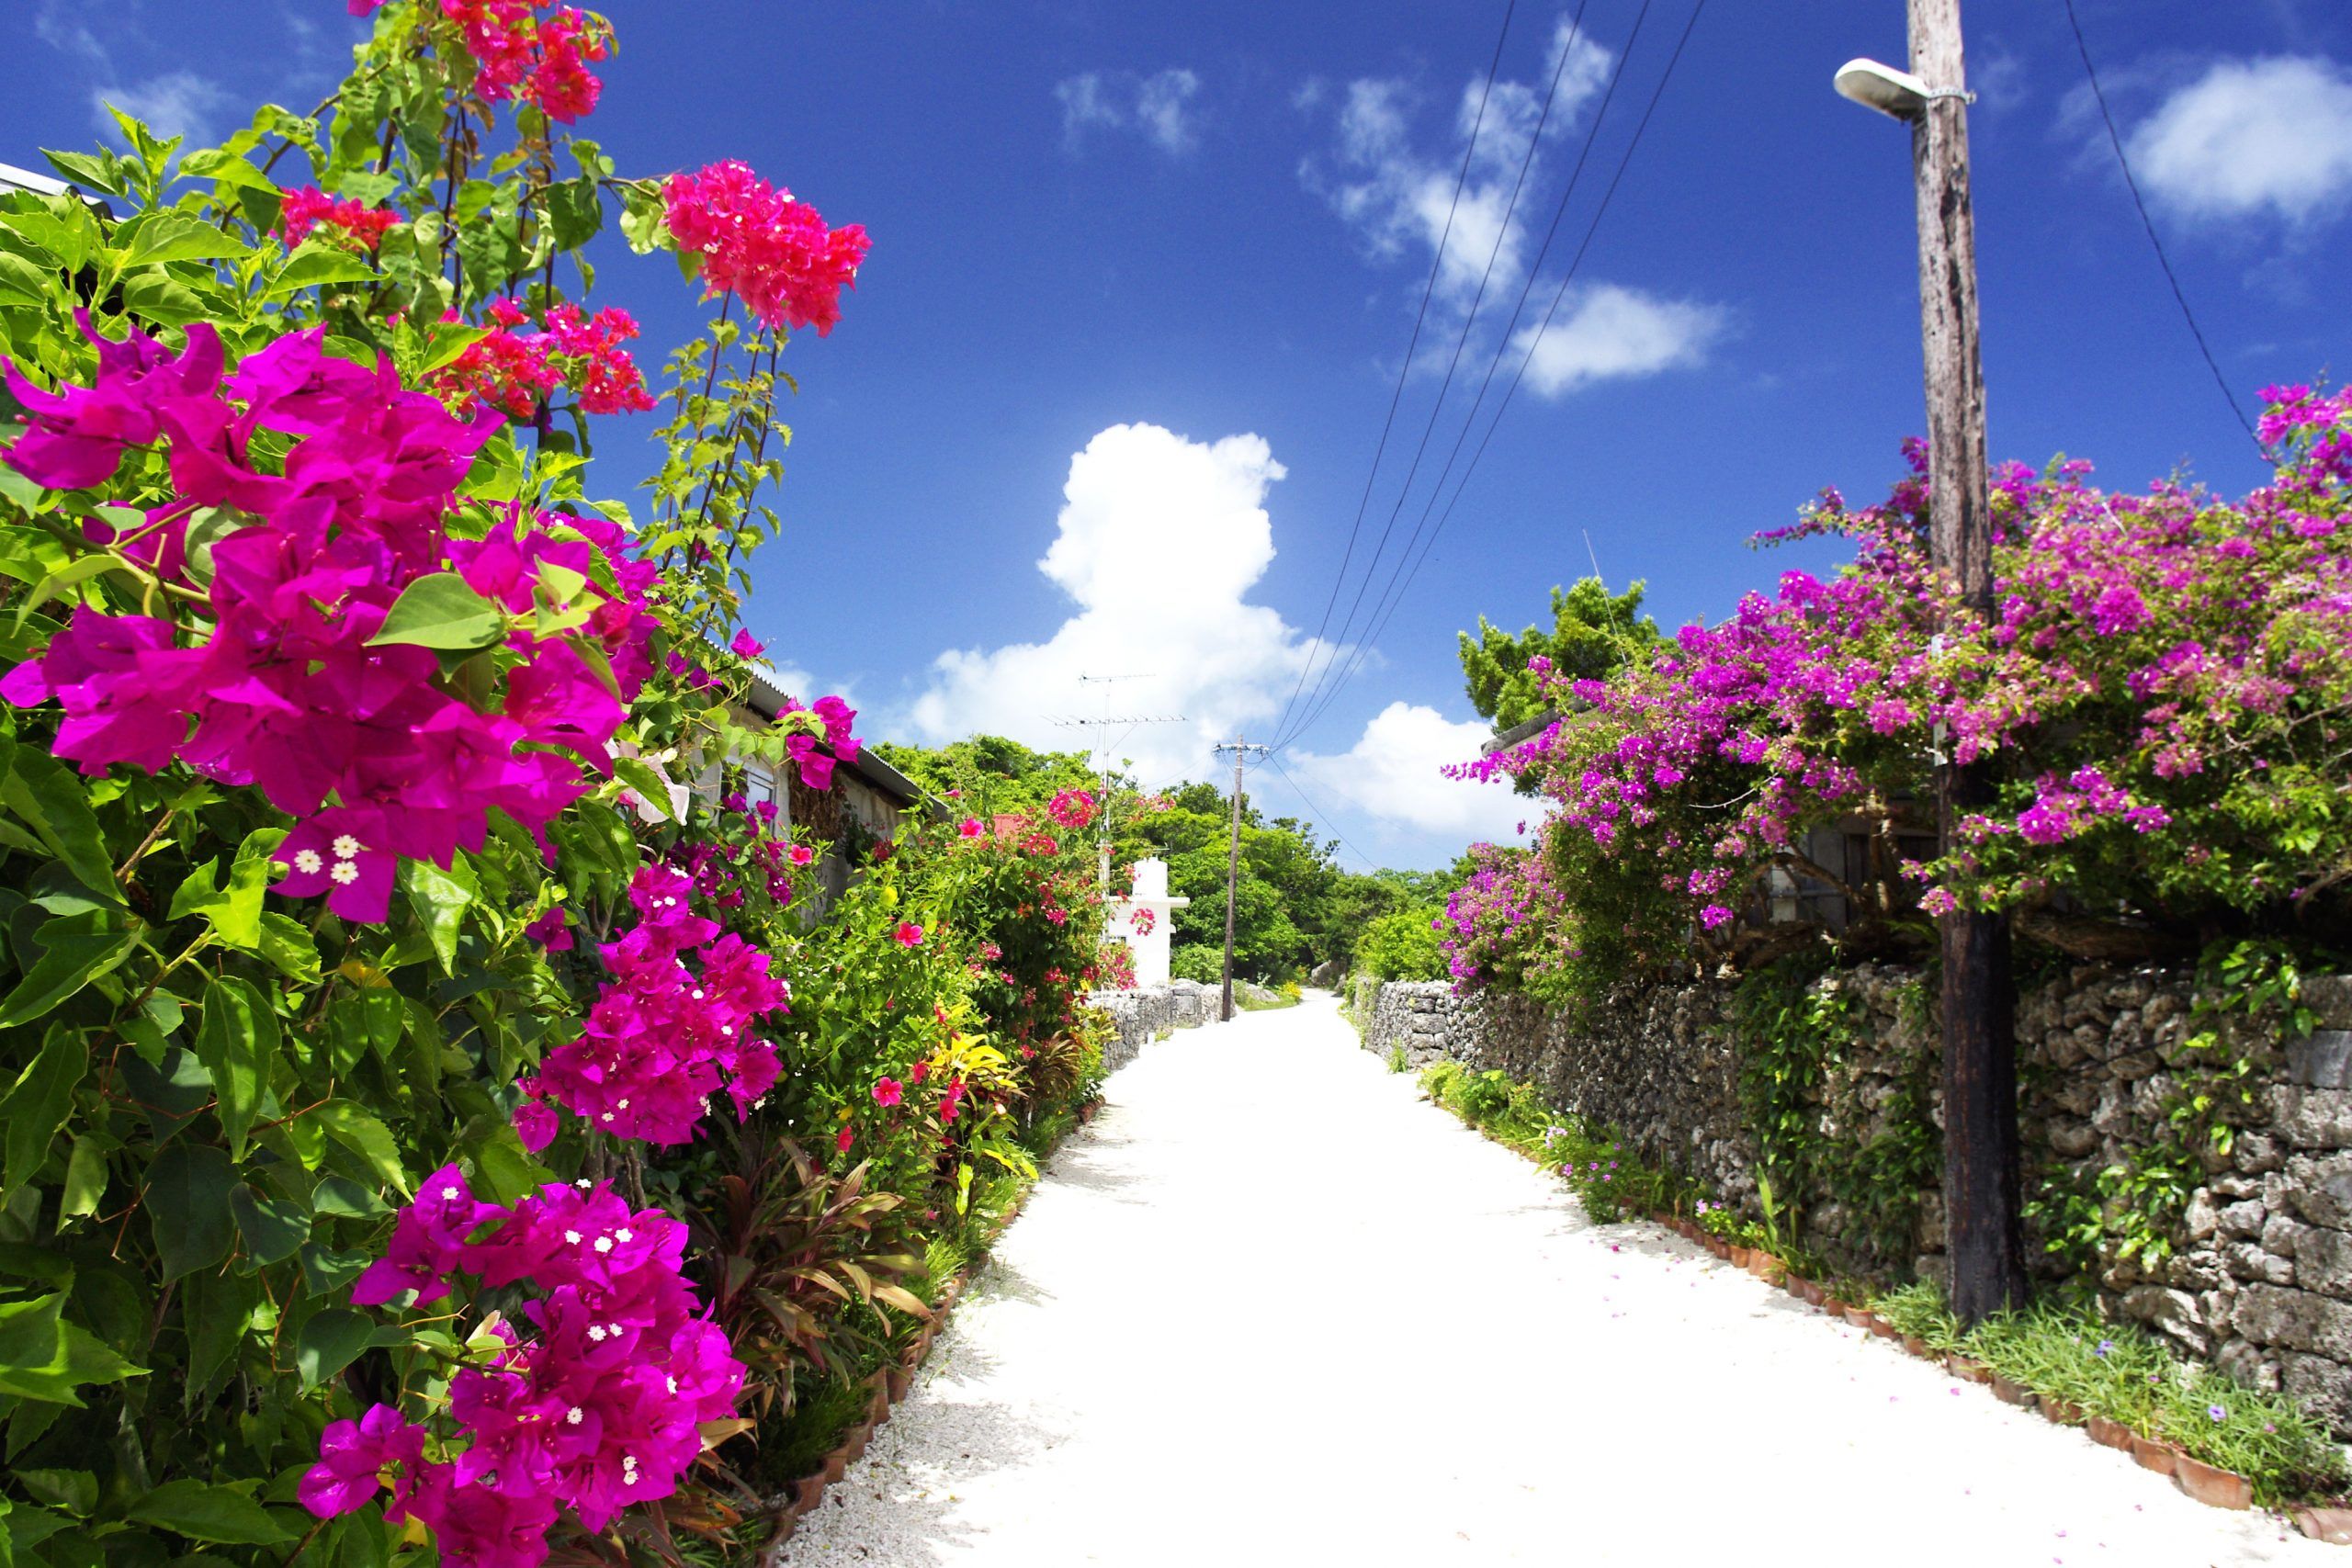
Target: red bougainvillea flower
910,934
308,212
760,244
886,1092
1072,808
513,371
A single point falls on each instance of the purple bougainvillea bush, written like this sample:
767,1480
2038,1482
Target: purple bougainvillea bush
2163,696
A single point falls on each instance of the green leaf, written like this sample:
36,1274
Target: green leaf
449,340
85,1180
38,1104
274,1229
99,171
316,263
286,944
219,164
217,1309
74,1491
188,1207
158,298
76,950
169,236
503,1170
331,1341
234,912
43,1356
651,786
440,899
55,804
215,1514
352,1126
22,282
238,1043
440,611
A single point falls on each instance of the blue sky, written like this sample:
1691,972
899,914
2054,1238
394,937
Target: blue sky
1143,274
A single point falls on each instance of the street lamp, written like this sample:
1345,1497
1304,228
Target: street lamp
1896,93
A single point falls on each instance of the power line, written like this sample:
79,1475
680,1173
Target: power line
1403,579
1329,820
1405,367
2115,139
1461,340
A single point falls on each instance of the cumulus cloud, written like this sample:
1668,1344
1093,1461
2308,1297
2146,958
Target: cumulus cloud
1159,108
1393,775
1397,195
2252,138
1608,331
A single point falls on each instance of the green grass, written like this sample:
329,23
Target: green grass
2128,1376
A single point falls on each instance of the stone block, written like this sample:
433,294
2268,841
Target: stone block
2246,1260
2255,1153
2244,1219
2322,1383
2134,1064
2311,1118
2201,1218
2282,1236
2321,1060
2073,1140
2243,1360
2330,997
2323,1263
2171,1312
2294,1320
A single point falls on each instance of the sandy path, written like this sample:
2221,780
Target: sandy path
1274,1309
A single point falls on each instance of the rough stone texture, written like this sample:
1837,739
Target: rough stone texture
2261,1279
1145,1015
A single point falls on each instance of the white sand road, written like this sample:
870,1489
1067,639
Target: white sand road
1272,1308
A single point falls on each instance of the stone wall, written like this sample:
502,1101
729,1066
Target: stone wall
1145,1015
2261,1279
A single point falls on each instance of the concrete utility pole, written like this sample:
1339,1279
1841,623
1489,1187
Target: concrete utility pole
1240,750
1981,1198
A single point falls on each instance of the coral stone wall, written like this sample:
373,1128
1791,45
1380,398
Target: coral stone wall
2261,1278
1144,1015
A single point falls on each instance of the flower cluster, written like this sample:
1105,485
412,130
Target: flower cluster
2164,667
514,371
600,1410
757,242
662,1033
1073,809
1115,963
1141,919
543,59
287,688
743,859
308,212
825,725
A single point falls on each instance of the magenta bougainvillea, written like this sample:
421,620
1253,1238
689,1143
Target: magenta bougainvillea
598,1408
292,686
664,1034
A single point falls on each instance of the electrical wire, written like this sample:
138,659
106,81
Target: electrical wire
1437,262
1329,820
1461,340
2180,298
1402,579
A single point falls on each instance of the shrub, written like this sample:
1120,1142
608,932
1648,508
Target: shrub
1403,945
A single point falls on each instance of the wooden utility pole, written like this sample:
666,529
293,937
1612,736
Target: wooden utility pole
1240,750
1980,1075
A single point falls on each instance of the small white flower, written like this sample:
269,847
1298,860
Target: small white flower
673,1386
622,1235
308,861
346,847
727,1028
344,871
571,1238
583,1184
604,1243
621,1104
698,993
605,1117
572,1415
449,1194
597,1334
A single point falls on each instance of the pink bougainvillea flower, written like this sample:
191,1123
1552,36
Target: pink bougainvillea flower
428,1242
552,931
756,241
329,854
909,934
76,434
886,1092
353,1456
308,212
971,828
1073,809
536,1125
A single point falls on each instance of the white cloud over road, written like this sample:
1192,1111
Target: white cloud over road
2252,139
1159,542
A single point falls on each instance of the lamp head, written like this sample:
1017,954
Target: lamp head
1896,94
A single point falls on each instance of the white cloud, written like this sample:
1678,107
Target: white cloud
1608,331
1399,197
2250,138
1159,108
177,103
1392,773
1160,543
